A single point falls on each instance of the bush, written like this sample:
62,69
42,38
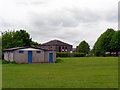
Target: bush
67,54
7,62
58,61
78,54
12,62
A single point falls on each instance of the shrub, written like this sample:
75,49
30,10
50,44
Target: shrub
12,62
78,54
7,62
58,61
67,54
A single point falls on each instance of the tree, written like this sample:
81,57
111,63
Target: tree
115,42
83,47
23,38
7,39
102,44
12,39
33,43
0,42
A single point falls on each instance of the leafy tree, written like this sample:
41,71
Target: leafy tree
102,45
0,42
12,39
23,38
33,43
115,42
83,47
7,39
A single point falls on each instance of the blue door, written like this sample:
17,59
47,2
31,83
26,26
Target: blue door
29,56
50,57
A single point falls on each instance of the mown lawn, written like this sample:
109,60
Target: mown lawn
81,72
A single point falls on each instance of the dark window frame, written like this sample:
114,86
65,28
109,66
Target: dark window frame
38,52
21,51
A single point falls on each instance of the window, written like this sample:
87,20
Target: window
21,51
38,51
11,51
66,47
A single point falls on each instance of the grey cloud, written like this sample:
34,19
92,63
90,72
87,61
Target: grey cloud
55,19
112,15
119,15
62,23
73,18
88,15
54,25
31,2
4,23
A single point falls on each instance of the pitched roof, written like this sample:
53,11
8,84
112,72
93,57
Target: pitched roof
13,49
56,42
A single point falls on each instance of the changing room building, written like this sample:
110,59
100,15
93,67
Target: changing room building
29,55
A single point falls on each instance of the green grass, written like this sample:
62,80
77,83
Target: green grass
81,72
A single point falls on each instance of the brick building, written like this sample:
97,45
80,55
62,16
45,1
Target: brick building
56,45
29,55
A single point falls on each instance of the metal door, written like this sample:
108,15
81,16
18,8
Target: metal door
29,56
50,57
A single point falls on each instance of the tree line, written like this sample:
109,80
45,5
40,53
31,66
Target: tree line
109,41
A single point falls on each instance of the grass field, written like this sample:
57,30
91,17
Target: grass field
82,72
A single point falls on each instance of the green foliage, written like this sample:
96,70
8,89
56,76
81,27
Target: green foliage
7,39
83,47
22,37
59,61
115,42
4,62
0,42
63,54
77,54
67,54
7,62
33,43
102,45
13,39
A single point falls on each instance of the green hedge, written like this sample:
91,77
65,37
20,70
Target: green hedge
67,54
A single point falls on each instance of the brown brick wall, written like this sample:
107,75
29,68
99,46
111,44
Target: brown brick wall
64,48
21,57
47,56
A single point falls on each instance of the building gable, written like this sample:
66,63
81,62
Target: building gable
56,43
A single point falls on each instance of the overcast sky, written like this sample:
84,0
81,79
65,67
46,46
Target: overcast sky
71,21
